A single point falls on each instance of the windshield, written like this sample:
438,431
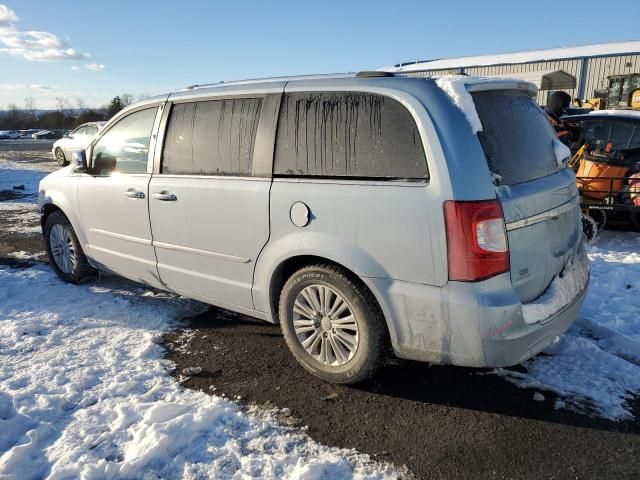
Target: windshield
609,136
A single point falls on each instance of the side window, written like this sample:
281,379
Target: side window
91,130
211,137
347,134
125,146
78,131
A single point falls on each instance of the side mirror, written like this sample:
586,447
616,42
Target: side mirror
80,161
67,135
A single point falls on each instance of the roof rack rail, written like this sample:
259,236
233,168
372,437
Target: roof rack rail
373,73
274,79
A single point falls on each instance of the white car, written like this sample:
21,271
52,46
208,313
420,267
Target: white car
77,139
9,134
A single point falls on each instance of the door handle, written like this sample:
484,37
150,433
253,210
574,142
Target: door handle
132,193
164,196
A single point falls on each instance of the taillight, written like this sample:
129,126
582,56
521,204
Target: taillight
476,240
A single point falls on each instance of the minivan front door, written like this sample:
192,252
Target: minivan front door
209,204
113,198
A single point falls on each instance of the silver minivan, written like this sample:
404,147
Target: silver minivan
360,212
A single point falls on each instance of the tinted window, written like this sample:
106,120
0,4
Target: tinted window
125,146
211,138
516,136
347,134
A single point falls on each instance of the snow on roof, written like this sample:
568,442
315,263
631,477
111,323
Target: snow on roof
616,48
458,87
617,113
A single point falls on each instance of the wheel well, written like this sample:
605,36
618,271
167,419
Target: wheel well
292,265
47,210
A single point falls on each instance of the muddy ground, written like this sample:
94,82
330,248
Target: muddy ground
441,422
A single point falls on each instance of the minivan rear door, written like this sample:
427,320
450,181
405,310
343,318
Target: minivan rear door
537,191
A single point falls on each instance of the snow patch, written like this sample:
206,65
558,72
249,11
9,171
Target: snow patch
85,393
595,366
456,87
562,290
617,113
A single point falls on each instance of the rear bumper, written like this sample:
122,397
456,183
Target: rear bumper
532,339
469,324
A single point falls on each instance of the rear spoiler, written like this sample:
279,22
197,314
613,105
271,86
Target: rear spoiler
483,84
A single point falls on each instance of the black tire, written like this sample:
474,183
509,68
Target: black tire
80,268
589,228
60,158
368,317
600,217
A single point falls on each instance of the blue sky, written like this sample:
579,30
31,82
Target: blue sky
97,49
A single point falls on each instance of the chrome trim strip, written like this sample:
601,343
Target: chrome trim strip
541,217
204,253
121,236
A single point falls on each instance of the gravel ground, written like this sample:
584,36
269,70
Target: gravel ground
441,422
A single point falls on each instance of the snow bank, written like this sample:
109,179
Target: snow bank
595,367
456,87
562,291
85,392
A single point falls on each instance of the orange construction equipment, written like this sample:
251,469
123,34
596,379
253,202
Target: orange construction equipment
596,180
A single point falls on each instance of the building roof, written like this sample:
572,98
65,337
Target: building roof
615,48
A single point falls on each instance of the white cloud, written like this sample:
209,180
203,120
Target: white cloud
33,45
94,66
7,16
75,68
20,86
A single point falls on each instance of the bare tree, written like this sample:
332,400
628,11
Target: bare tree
142,96
126,99
30,110
62,104
15,116
82,105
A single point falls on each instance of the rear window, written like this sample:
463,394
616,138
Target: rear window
347,134
516,136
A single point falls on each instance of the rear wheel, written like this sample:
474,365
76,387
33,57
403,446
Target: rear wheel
332,324
60,158
63,248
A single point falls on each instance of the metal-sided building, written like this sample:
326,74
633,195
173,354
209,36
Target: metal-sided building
591,65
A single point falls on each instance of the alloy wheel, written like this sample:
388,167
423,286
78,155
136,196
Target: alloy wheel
62,249
325,325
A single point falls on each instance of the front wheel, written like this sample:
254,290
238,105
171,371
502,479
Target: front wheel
63,248
332,324
60,158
